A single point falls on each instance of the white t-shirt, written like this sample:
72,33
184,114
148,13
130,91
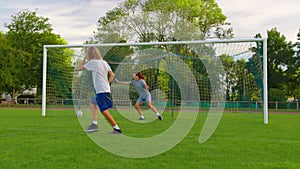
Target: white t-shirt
99,70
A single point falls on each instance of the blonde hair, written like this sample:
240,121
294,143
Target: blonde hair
93,53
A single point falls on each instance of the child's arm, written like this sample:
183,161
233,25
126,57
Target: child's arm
81,65
111,76
146,86
121,82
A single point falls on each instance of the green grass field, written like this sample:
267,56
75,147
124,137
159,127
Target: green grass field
59,142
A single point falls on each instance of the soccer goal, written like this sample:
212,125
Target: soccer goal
211,75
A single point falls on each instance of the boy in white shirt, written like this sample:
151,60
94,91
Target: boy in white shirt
100,71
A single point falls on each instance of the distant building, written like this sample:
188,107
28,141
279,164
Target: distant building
30,92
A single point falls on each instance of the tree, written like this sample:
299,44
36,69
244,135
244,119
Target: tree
277,95
297,45
28,32
297,65
292,74
12,61
238,73
206,15
280,57
280,60
163,20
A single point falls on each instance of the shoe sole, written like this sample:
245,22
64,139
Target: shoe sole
91,131
114,133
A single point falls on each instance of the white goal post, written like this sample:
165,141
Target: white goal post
193,44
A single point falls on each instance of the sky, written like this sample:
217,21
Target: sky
75,20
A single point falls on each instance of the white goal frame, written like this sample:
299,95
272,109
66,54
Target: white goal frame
264,40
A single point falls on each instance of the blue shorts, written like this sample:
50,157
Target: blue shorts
103,101
144,98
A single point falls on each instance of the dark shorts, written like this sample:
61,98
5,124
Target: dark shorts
103,101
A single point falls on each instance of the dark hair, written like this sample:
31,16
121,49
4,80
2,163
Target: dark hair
140,75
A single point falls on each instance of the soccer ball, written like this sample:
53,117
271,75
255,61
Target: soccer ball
79,113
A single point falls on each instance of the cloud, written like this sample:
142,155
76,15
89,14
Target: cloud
75,20
249,17
79,20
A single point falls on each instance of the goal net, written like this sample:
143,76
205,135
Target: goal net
207,76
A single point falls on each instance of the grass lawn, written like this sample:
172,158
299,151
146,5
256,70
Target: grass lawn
59,142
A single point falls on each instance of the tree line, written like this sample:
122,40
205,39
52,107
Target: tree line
21,47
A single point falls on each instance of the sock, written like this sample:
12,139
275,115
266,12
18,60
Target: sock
116,127
142,117
157,114
95,122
